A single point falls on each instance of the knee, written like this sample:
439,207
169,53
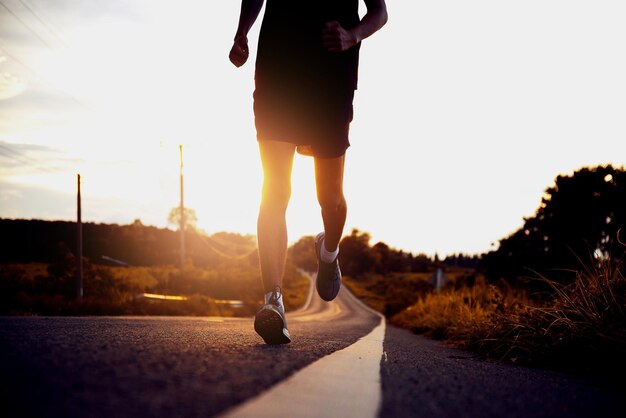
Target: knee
276,196
332,202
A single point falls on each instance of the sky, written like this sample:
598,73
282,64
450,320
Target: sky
465,114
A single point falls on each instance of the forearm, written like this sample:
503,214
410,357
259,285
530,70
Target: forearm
374,19
250,10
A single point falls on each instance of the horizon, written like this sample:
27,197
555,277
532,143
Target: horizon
203,232
293,240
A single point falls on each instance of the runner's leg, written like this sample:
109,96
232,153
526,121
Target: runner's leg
277,161
329,184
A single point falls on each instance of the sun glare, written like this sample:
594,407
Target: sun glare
450,149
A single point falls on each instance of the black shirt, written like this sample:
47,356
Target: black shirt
291,52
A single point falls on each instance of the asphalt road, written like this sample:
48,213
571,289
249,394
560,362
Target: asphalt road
192,367
159,366
423,378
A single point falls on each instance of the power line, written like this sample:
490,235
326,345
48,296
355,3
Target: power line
48,27
43,79
206,240
31,30
17,159
4,144
22,158
27,67
14,58
24,162
13,154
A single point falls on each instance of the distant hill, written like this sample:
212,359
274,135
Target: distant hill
26,241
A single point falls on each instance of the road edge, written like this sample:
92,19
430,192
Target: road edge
346,383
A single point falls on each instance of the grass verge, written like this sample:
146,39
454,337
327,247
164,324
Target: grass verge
41,289
580,328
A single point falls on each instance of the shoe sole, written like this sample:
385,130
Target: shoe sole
270,326
322,288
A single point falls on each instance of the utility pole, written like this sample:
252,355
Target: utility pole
79,245
182,214
438,279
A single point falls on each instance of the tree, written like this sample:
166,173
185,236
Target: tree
356,257
420,263
578,220
190,218
302,253
389,260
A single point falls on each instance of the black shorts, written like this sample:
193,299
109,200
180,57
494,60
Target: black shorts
318,118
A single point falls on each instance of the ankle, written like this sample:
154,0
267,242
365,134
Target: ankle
279,296
326,255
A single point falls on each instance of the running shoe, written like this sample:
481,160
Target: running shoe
328,280
270,322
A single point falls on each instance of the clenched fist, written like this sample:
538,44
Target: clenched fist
335,38
239,52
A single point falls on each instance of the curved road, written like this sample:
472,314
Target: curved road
160,366
200,367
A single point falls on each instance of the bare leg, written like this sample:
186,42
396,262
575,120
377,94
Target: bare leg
277,161
329,184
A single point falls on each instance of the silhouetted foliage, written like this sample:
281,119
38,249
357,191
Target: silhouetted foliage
401,291
27,241
420,263
191,219
302,253
389,260
462,260
38,271
359,258
61,273
356,256
578,221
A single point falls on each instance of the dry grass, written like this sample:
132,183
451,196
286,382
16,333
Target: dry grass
391,293
296,288
581,328
364,291
462,316
30,289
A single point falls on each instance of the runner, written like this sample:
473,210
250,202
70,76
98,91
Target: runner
305,77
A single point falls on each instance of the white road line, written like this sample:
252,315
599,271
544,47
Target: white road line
309,296
345,383
333,309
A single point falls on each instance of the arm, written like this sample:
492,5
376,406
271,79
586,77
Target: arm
249,12
336,39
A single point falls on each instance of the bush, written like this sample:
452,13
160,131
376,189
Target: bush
392,293
37,289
